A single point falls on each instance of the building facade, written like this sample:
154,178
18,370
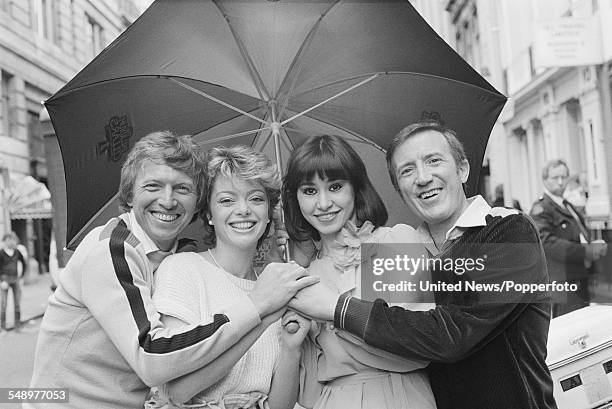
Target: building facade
434,12
553,111
43,43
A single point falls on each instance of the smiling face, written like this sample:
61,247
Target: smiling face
327,204
163,201
239,212
429,179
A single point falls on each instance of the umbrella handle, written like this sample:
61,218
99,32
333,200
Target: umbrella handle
292,327
276,127
279,224
281,220
287,251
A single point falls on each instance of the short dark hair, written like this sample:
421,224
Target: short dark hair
329,157
163,148
456,147
246,163
553,164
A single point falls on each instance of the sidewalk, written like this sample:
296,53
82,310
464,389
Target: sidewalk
34,295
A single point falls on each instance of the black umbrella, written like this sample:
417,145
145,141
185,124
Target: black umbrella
266,74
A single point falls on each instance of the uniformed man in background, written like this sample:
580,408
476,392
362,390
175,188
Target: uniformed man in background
570,252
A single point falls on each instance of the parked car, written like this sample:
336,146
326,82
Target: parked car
580,358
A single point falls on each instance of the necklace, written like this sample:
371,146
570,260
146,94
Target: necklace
221,267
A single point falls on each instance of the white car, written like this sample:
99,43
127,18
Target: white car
580,358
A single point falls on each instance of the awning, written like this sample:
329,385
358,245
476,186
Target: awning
37,211
28,198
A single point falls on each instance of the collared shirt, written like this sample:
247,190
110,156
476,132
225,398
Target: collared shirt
153,252
561,202
473,216
557,199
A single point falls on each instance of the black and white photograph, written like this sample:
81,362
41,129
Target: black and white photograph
318,204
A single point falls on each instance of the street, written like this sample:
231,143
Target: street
17,348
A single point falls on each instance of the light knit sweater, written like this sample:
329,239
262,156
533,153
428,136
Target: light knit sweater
190,288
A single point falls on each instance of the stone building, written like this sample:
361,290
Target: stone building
43,43
555,109
434,12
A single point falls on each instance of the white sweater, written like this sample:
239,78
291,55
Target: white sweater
190,288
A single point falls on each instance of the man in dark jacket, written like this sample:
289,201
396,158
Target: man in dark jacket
566,239
10,274
487,349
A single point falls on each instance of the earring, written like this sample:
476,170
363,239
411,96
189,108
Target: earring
267,221
210,222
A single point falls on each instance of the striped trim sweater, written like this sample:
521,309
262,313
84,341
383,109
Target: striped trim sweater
101,336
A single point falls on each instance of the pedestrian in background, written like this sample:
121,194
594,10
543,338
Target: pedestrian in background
570,252
12,267
498,200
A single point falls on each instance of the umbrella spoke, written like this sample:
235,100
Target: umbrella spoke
287,128
265,141
358,138
332,98
292,72
259,84
218,101
288,143
236,135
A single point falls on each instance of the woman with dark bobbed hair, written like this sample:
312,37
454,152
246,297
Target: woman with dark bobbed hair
328,197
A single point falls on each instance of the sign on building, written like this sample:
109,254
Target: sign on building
568,41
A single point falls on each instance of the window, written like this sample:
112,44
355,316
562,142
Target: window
43,27
95,33
73,31
6,111
46,18
36,142
55,21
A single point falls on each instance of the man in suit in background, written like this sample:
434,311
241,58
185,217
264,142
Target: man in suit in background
569,251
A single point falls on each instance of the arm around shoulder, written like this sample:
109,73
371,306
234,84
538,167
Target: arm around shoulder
451,330
117,291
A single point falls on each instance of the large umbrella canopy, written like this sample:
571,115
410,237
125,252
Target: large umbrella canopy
266,74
